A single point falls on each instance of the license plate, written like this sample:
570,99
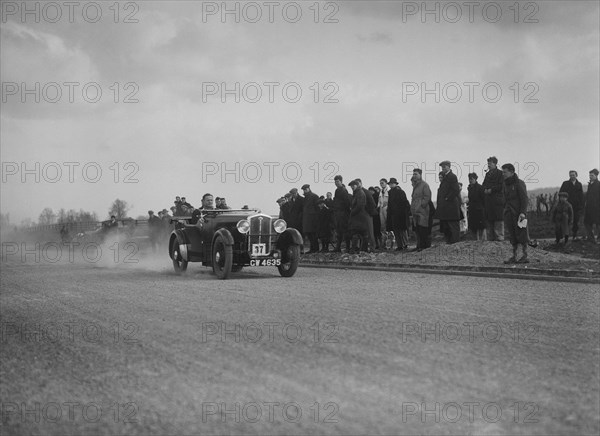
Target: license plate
259,249
265,262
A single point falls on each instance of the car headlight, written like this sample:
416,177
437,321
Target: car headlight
243,226
279,226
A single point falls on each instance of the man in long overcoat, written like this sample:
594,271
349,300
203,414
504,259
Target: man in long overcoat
419,207
341,209
494,203
515,212
591,216
574,188
448,204
358,224
296,208
398,214
310,217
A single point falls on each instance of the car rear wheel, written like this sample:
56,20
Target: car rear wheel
289,261
222,258
179,265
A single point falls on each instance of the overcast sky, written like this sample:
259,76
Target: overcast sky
371,62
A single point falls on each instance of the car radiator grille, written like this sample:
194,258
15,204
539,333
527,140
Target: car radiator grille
260,231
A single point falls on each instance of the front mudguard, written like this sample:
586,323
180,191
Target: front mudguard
183,241
289,237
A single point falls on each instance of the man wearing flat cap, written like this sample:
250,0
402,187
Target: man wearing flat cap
591,215
448,204
493,201
562,217
310,218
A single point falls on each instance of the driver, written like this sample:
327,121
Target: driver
207,204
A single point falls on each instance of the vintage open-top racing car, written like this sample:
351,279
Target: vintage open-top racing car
229,239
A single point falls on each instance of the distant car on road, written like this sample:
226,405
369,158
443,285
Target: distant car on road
228,240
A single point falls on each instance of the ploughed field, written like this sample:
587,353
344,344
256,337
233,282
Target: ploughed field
110,347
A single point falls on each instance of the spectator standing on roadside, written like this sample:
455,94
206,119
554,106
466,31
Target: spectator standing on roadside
358,223
591,216
562,217
310,217
419,206
515,212
341,210
397,214
574,188
448,204
476,208
494,203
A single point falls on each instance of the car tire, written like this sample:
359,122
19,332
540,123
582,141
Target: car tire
222,258
292,256
179,265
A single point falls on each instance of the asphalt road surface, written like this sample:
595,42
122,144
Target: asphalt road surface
105,348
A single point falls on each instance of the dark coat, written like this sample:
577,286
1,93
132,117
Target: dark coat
515,196
494,202
592,204
448,199
324,223
359,218
154,225
398,208
371,206
562,217
341,208
310,213
476,207
285,212
296,208
575,192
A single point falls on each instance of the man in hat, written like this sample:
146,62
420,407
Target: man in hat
494,203
154,228
371,208
296,208
341,209
358,223
223,204
186,207
591,216
562,217
324,225
448,204
574,189
515,212
310,217
398,214
419,206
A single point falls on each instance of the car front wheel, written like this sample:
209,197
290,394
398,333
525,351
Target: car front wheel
222,258
289,261
179,265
